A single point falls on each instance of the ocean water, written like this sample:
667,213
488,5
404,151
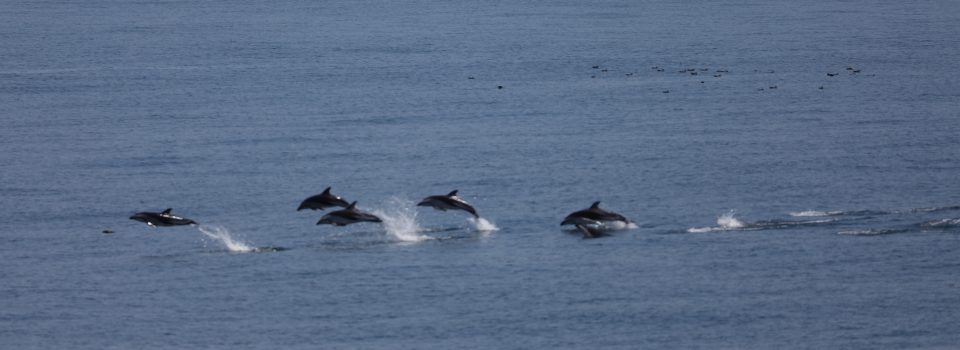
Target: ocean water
776,206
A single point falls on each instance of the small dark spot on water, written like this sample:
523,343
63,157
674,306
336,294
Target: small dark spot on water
107,231
499,86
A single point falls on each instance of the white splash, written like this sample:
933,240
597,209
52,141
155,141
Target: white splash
727,221
222,235
400,220
483,225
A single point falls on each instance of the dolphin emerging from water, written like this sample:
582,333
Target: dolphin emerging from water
592,216
350,215
323,201
448,202
163,218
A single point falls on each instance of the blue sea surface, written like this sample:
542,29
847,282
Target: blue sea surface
791,168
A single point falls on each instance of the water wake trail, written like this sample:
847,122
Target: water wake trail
942,223
821,213
815,213
400,220
871,232
222,235
729,222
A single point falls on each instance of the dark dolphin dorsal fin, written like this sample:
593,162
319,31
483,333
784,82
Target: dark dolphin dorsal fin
452,193
166,212
326,191
595,205
352,205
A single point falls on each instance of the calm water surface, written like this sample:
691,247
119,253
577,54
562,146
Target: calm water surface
777,206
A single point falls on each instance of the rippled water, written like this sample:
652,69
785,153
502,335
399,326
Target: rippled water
790,168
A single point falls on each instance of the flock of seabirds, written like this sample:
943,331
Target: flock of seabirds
591,221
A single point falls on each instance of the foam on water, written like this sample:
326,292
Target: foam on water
870,232
942,223
935,209
400,220
815,213
483,225
222,235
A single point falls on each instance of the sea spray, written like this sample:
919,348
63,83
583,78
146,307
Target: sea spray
728,221
222,235
483,225
400,220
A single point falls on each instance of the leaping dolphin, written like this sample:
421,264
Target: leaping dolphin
163,218
323,201
592,216
448,202
350,215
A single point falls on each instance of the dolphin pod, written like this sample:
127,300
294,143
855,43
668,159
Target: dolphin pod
591,221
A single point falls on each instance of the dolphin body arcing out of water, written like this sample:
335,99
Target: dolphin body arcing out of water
163,218
592,216
448,202
322,201
350,215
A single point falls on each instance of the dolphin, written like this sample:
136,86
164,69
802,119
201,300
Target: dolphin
350,215
323,201
591,231
450,201
592,216
163,218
